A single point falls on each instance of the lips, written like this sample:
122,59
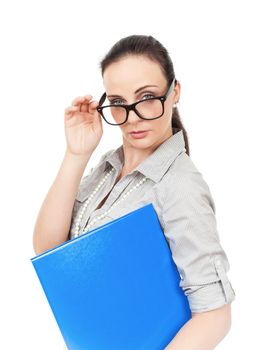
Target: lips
137,132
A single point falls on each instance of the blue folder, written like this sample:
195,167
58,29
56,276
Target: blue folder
115,287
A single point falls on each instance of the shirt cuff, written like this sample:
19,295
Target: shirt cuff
210,296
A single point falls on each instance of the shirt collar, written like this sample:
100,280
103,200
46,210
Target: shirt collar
157,163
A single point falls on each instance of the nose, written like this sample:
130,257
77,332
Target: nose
133,117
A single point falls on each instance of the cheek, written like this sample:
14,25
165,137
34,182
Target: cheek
165,119
169,114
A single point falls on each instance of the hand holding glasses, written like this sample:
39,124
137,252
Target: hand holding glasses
83,126
150,108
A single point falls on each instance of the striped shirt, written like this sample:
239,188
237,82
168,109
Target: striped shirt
185,208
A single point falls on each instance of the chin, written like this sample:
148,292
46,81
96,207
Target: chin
144,143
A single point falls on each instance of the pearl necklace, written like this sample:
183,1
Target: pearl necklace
84,207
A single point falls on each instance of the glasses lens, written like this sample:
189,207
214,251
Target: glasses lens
114,114
149,109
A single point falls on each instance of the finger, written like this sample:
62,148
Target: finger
93,105
86,106
77,100
71,109
88,97
81,99
68,115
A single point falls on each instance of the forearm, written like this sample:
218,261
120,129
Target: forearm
203,331
54,218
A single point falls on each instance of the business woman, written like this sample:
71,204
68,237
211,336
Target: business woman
152,165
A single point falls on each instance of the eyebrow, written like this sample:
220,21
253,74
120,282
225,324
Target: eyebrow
138,90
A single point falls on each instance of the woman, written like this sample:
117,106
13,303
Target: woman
153,165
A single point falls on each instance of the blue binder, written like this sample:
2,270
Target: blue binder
115,287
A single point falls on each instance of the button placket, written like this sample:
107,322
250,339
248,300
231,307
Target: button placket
120,198
109,201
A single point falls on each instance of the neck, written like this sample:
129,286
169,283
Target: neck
134,156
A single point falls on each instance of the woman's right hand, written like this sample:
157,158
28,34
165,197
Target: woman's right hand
83,126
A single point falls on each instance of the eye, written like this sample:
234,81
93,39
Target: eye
151,96
115,102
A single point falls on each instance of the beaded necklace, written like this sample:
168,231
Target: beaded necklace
76,232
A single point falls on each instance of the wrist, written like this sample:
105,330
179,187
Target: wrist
72,155
77,159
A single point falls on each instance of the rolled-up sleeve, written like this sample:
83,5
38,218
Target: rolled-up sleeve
191,231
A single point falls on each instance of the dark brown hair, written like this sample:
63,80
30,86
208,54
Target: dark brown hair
154,50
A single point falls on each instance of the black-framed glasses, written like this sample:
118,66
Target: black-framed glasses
150,108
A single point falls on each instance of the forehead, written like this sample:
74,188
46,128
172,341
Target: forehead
132,72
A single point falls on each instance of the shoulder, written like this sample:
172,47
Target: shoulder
183,183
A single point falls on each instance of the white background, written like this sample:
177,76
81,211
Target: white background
50,53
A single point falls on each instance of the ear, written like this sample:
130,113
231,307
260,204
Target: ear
176,92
